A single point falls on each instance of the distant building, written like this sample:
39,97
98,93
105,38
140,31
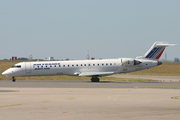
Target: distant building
176,59
51,58
14,58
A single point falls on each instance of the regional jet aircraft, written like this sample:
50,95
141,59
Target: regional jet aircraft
91,68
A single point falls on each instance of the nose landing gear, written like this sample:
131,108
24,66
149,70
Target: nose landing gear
13,79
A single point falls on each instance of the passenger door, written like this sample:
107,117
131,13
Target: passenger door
28,67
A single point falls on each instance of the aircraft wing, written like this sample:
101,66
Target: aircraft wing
95,73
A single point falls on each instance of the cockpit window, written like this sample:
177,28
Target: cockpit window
16,66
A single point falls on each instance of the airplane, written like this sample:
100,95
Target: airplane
91,68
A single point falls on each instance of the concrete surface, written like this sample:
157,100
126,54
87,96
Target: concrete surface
80,100
160,78
87,84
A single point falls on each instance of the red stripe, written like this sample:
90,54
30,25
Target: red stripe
160,54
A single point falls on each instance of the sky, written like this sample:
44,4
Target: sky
70,28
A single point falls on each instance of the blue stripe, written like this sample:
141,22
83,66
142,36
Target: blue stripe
149,54
152,51
157,53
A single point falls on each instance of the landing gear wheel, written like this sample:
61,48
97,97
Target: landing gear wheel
94,79
13,79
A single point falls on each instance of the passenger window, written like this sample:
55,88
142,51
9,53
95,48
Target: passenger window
46,65
110,63
98,64
102,64
63,65
73,65
42,66
84,64
81,65
59,65
114,63
106,63
93,64
54,65
68,65
77,65
89,64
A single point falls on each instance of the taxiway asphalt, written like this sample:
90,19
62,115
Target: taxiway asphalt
83,100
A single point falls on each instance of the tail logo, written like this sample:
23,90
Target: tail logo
156,50
155,53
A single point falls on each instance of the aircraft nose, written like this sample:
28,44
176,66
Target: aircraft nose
7,72
4,73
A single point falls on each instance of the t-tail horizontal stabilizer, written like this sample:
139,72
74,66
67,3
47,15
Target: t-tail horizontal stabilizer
156,50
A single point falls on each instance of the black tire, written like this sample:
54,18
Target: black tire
95,79
14,80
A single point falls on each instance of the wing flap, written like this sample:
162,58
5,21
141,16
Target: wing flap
95,73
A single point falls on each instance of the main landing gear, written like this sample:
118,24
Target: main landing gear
13,79
94,79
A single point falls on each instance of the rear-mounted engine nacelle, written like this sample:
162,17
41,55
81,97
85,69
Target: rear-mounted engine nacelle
130,62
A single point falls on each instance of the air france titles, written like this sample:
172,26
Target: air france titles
44,66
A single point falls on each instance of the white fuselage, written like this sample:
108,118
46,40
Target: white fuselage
79,67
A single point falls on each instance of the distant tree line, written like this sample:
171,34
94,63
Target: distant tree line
22,58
